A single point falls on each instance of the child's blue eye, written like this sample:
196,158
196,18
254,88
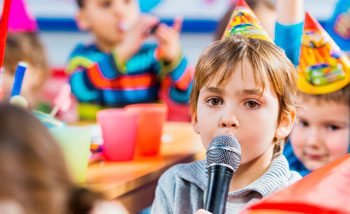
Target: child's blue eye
304,123
252,104
333,127
215,101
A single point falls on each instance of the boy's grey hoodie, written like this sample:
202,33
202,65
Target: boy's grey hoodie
181,188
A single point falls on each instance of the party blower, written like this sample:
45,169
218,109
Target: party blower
16,99
62,101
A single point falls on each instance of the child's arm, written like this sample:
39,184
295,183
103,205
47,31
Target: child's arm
160,203
135,37
164,195
79,66
289,27
175,72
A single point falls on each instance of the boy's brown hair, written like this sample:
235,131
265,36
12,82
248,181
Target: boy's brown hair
268,61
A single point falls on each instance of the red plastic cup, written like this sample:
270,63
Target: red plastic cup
119,129
151,119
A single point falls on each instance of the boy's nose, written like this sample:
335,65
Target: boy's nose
229,120
313,138
118,9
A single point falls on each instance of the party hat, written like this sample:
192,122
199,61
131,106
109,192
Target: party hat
244,22
323,67
21,20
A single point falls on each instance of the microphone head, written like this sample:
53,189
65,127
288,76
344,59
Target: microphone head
224,150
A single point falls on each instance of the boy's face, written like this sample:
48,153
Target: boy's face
321,133
237,109
107,18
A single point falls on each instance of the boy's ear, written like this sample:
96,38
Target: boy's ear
82,20
195,123
286,124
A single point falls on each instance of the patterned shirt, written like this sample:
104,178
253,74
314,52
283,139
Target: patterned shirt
100,78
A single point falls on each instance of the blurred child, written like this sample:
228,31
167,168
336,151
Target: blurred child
23,44
118,68
34,177
321,133
244,87
265,10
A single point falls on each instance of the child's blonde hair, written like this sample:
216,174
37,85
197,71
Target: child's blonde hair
268,61
341,96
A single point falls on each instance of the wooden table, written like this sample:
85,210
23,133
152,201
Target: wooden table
133,182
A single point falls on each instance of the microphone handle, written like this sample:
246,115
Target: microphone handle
219,178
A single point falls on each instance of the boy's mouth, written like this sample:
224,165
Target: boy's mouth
315,157
123,26
228,134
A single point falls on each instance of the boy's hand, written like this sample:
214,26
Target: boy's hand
134,37
342,25
169,40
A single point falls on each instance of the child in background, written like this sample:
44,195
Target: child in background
118,68
23,44
321,133
265,10
244,87
34,177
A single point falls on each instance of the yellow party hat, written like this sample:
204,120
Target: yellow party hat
244,22
323,67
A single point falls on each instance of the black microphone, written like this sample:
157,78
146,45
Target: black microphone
223,158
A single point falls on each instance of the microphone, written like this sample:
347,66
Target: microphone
223,158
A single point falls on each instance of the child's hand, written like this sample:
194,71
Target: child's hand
169,40
342,25
201,211
134,37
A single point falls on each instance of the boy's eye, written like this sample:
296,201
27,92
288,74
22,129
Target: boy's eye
332,127
304,123
252,104
214,101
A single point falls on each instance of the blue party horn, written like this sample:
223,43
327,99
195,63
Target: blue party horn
17,85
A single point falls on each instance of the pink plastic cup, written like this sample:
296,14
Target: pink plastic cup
119,130
151,119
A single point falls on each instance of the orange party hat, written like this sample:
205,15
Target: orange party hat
323,67
244,22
